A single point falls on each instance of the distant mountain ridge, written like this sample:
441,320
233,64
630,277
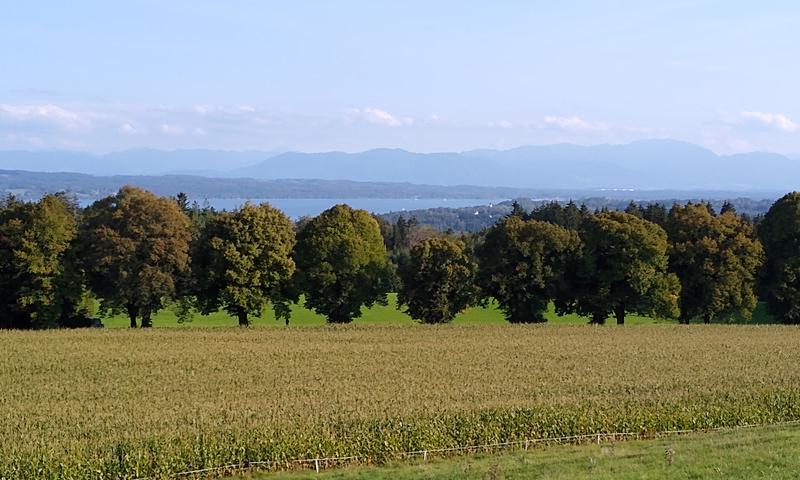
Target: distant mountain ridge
32,185
642,165
647,165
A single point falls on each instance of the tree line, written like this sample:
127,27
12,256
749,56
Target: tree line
137,253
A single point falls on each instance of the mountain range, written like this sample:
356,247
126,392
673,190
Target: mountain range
642,165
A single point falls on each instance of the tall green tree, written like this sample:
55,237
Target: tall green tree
242,260
779,231
522,264
342,263
623,269
135,249
39,284
717,259
438,281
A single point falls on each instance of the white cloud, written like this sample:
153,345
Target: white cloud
574,123
377,116
128,128
225,109
49,114
773,120
172,129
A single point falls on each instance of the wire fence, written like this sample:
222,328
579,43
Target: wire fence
320,463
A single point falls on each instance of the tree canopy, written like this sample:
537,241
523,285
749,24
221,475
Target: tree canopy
135,249
342,263
242,260
522,266
717,260
437,280
39,284
780,233
623,269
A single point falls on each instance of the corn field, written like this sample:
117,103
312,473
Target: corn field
129,404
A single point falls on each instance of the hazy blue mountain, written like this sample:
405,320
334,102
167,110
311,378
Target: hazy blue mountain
32,185
643,165
132,162
651,164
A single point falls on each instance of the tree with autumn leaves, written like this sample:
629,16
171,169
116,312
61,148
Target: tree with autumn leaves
134,248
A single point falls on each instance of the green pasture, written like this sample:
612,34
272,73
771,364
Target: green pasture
386,315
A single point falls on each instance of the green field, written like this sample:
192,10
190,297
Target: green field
759,453
121,403
385,315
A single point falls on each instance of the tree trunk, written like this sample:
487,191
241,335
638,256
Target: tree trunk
619,312
598,319
707,318
146,321
133,312
241,314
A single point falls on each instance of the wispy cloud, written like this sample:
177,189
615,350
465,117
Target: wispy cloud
377,116
45,114
574,123
172,129
777,121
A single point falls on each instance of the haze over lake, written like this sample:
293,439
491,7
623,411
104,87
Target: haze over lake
300,207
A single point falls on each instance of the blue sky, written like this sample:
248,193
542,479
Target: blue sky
420,75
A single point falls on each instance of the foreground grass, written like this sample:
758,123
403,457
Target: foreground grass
125,404
760,453
389,315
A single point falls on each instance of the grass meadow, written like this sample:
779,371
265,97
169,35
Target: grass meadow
387,315
120,403
759,453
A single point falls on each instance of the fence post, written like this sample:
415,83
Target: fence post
526,444
316,464
425,456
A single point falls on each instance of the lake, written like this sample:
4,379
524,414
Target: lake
299,207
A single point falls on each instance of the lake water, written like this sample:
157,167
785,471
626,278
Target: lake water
298,207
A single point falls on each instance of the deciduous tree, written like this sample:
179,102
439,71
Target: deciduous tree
623,269
717,260
438,281
39,284
242,260
779,231
135,249
342,263
522,265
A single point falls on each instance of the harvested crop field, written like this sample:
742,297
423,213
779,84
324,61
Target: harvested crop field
110,404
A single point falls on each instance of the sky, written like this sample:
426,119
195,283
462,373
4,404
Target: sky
426,76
